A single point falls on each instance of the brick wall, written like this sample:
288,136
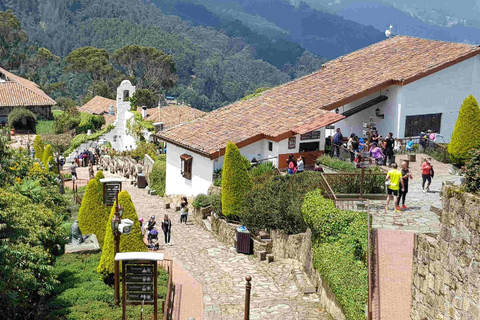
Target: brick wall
446,281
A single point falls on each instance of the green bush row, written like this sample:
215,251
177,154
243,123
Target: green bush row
81,138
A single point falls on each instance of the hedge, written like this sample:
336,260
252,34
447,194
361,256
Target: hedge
18,113
81,138
158,175
38,147
466,132
132,242
472,172
235,181
92,216
340,250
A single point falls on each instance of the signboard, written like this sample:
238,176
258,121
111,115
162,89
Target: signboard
330,127
140,281
292,143
310,135
110,190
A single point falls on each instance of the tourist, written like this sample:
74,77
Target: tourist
142,227
374,137
350,147
184,210
151,224
398,146
426,174
300,164
377,154
318,167
409,146
432,135
292,164
393,181
337,141
167,227
73,171
406,175
389,142
91,173
328,146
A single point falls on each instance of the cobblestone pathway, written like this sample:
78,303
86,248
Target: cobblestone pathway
221,271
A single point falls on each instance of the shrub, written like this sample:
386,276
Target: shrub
216,200
46,155
92,216
38,147
158,175
201,201
60,142
276,203
89,122
68,120
466,132
142,149
15,118
264,168
132,242
336,164
472,172
81,138
340,251
235,181
217,178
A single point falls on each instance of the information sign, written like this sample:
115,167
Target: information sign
140,287
110,192
139,297
312,135
139,278
139,269
140,282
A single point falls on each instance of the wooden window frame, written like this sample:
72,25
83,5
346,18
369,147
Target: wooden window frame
186,166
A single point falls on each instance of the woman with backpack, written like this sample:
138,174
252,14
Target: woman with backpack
292,164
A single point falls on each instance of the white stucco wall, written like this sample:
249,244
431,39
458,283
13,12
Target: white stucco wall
441,92
202,173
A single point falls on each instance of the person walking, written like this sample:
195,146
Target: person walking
393,181
426,174
377,154
337,141
389,142
151,224
91,173
300,164
184,210
73,170
167,228
402,193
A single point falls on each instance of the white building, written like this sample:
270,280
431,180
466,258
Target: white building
405,84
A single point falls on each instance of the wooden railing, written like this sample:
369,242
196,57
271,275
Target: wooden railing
167,307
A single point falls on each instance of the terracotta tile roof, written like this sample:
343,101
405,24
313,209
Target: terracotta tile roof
301,105
17,91
170,115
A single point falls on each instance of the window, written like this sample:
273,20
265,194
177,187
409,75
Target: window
126,95
186,166
270,146
309,146
414,125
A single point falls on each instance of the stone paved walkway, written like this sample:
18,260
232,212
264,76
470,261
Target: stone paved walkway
221,271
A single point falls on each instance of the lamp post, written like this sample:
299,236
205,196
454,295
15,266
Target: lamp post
116,238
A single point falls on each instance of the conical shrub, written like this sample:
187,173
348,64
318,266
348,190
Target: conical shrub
93,214
465,136
235,181
132,242
47,153
38,147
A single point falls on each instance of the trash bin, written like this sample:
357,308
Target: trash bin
141,181
243,240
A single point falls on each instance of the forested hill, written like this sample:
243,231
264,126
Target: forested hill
214,69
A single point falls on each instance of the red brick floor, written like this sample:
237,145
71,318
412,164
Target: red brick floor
392,290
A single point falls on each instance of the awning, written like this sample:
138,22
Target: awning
185,157
364,106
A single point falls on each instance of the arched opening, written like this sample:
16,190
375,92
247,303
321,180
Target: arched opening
22,120
126,95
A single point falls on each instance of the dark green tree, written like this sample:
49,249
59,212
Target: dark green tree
12,37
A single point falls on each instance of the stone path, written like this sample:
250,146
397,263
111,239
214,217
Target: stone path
221,271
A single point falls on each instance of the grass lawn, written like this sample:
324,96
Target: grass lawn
44,126
82,293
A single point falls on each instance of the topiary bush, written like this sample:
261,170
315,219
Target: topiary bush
132,242
235,181
158,175
93,215
466,132
472,172
15,118
38,147
201,201
47,153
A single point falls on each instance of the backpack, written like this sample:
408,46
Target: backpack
336,138
291,165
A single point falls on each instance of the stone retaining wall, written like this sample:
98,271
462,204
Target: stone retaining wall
282,246
446,281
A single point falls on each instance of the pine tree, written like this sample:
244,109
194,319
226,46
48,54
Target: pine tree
235,181
93,214
466,132
132,242
38,147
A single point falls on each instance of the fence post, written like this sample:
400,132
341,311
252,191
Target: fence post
248,287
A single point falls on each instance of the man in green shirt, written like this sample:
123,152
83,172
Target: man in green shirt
393,181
